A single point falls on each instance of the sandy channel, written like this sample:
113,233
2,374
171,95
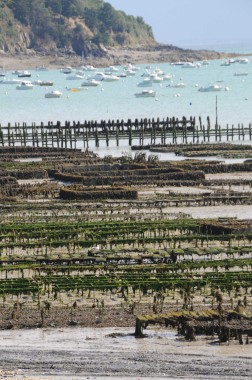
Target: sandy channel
114,353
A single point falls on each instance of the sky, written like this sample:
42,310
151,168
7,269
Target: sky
194,23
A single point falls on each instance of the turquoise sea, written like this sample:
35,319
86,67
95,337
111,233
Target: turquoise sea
116,100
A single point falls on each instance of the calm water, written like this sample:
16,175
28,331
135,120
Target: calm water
116,100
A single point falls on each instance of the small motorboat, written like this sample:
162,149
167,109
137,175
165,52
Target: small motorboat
145,83
66,70
167,77
90,83
111,69
188,65
17,72
24,74
211,87
146,94
75,77
46,83
10,81
110,78
177,85
155,78
88,68
25,85
243,60
53,94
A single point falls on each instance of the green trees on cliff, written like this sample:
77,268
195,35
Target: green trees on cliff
84,21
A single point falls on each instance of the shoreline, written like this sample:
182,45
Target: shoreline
114,56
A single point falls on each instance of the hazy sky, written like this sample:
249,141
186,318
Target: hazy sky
194,22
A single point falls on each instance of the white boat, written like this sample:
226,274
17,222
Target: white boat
53,94
66,70
211,87
10,81
90,83
40,82
111,69
16,72
146,94
100,76
24,74
46,83
177,85
167,77
88,68
243,60
131,67
25,85
188,65
130,72
110,78
179,63
156,78
75,77
145,83
226,63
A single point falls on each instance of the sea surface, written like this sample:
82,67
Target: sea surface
116,100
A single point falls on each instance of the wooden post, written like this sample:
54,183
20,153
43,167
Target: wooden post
208,128
107,136
96,138
138,329
117,136
130,136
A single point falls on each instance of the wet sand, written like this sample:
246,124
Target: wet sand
103,353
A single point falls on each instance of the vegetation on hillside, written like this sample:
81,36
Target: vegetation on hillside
74,25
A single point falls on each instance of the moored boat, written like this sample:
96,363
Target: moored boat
10,81
146,94
25,85
53,94
211,87
46,83
90,83
24,74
